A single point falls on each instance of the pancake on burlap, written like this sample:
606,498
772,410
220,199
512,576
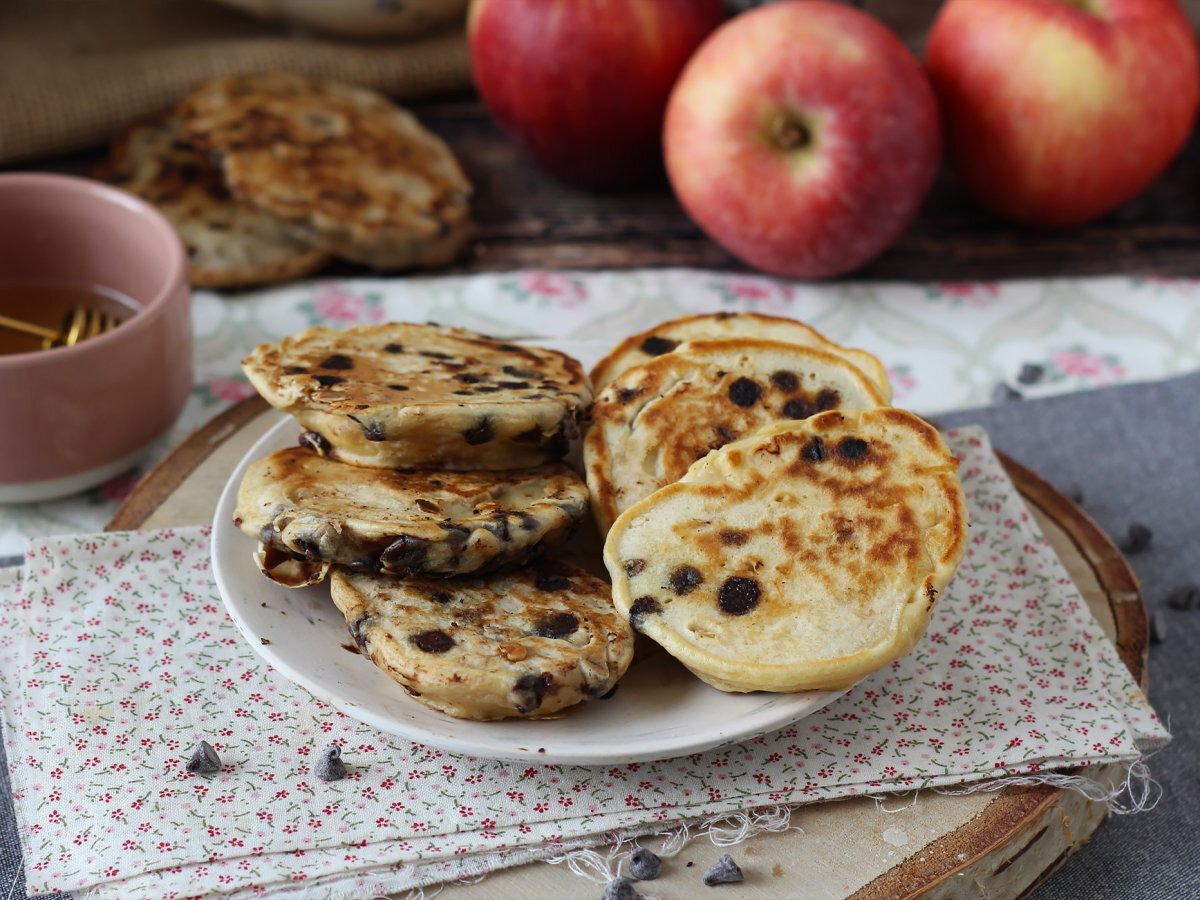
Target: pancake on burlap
651,423
229,242
313,509
528,643
666,336
350,171
801,558
401,395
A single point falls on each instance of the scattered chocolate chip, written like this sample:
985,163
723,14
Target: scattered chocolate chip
644,865
852,448
440,597
814,450
724,871
508,348
738,596
427,505
634,567
329,765
724,436
357,630
731,538
432,641
689,864
328,380
295,370
467,378
405,554
797,408
373,431
532,436
657,346
266,534
1158,627
744,392
1002,393
1138,538
398,387
480,433
337,361
624,395
549,581
560,625
518,372
513,385
1186,596
532,689
529,523
570,428
685,579
619,889
1031,373
499,526
642,607
785,381
204,760
314,442
828,399
465,392
435,354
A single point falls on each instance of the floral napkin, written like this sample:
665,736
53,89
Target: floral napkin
117,656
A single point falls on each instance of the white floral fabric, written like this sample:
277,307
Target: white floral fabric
946,345
117,656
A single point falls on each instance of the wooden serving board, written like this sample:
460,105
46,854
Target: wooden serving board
992,845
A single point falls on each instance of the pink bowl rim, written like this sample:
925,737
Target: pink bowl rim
176,264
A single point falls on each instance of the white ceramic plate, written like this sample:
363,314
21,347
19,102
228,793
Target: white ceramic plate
659,711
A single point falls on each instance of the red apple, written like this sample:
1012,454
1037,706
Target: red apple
802,136
581,85
1057,112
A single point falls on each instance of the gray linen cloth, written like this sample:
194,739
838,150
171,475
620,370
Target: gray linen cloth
1131,452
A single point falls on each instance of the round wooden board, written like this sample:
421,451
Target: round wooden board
994,845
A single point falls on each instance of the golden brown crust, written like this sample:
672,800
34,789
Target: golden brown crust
654,420
666,336
528,643
801,558
353,173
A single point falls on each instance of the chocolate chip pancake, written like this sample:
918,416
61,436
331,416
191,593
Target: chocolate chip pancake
667,336
801,558
526,643
349,170
403,523
230,243
425,396
651,423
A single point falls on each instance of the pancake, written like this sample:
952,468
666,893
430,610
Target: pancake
666,336
403,523
351,172
229,242
528,643
651,423
423,396
801,558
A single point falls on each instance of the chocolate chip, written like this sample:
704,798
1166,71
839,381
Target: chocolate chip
814,450
329,765
373,431
744,392
1138,539
518,372
1031,373
393,348
404,555
685,579
480,433
486,389
657,346
513,385
785,381
358,632
852,448
634,567
1002,393
619,889
624,395
398,387
442,597
204,760
532,689
337,361
560,625
550,581
1158,627
570,428
295,370
724,436
427,505
499,526
532,436
328,380
642,607
466,392
467,378
314,442
432,641
828,399
457,535
644,865
508,348
738,596
731,538
529,523
723,871
1186,596
435,354
797,408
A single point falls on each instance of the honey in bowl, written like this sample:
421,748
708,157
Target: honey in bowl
51,306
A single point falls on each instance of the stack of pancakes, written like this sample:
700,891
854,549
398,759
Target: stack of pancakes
771,521
266,176
425,485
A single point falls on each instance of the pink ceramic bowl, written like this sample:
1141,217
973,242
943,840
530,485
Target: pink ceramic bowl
73,417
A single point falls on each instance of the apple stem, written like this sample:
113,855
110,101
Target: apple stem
790,133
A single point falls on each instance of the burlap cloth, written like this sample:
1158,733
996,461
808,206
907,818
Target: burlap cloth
73,72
